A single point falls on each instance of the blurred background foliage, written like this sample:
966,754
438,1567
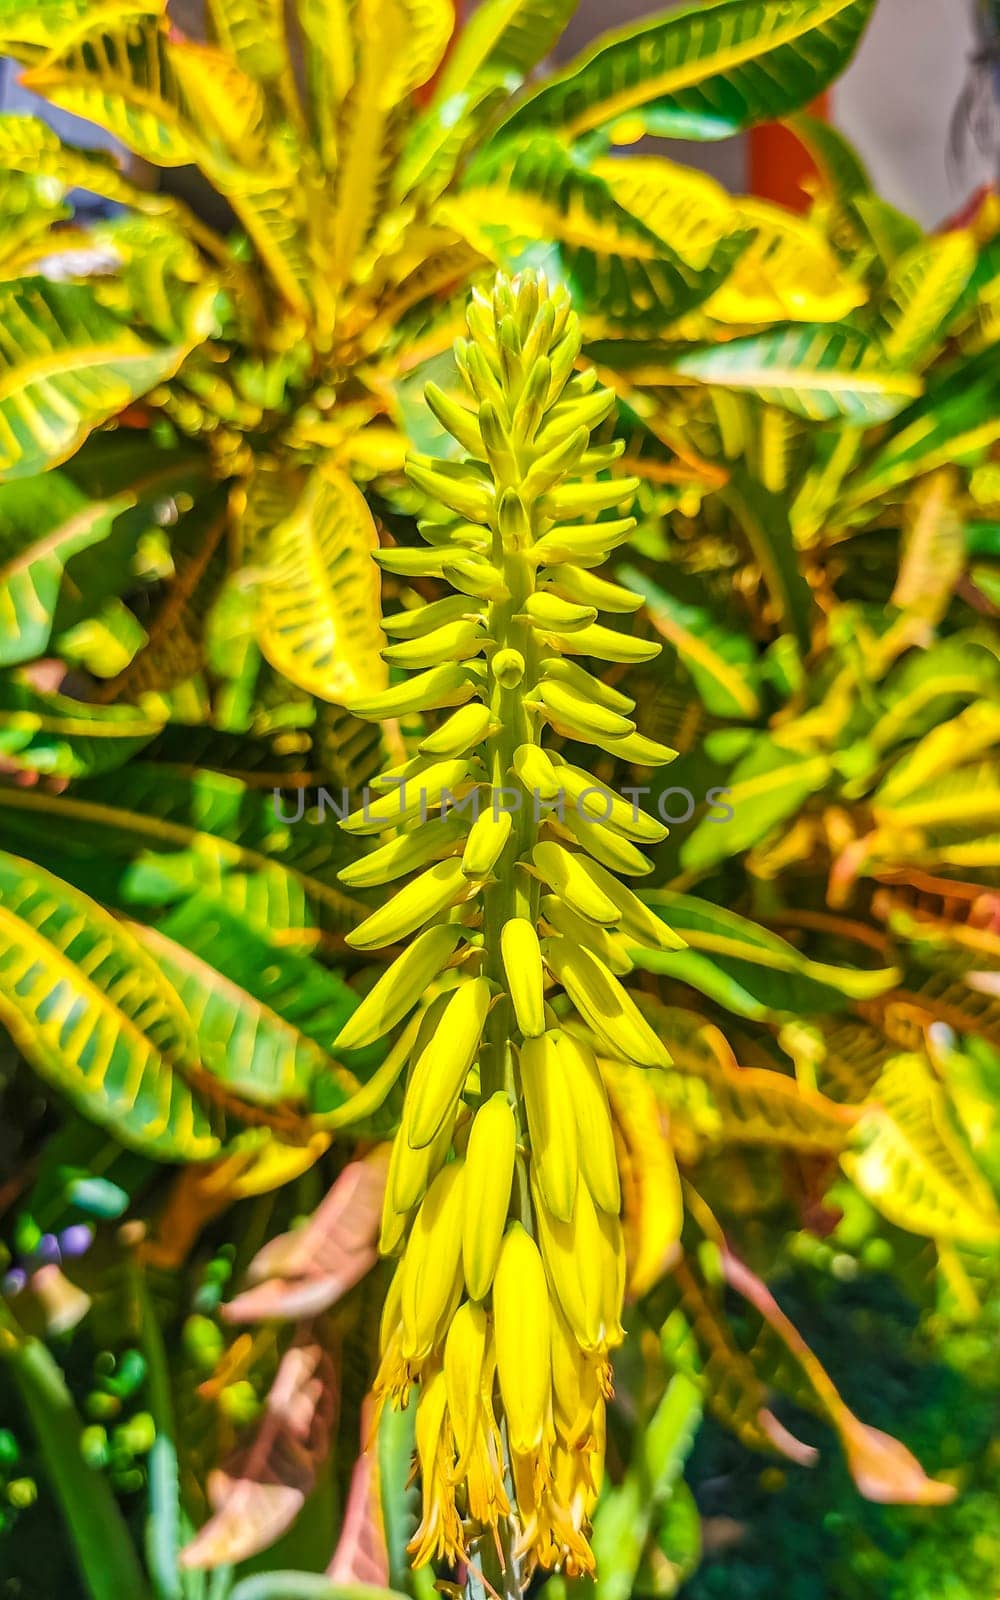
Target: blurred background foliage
204,410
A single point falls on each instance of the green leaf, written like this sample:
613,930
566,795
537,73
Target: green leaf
909,1161
43,522
956,422
400,1502
838,161
91,1012
150,832
308,1586
161,278
921,293
703,72
52,734
722,663
263,1014
121,74
494,51
748,969
519,194
27,31
67,365
765,787
627,1511
764,517
928,686
253,32
822,372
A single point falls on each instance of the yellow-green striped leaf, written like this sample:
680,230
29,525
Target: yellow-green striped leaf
765,787
43,522
909,1161
93,1014
922,291
60,737
820,372
242,1039
722,662
521,193
320,612
702,72
66,366
955,422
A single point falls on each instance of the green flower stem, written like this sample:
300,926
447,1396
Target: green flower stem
513,894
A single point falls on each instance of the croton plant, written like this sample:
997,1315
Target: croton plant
387,1184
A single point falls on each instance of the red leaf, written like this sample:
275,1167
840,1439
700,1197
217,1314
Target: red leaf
883,1469
258,1495
308,1270
362,1555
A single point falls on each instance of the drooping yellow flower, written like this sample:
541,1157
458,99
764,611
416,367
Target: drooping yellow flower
504,1194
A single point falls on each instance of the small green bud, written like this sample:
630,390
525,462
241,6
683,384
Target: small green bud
513,521
508,668
22,1493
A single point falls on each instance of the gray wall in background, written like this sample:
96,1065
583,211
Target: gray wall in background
897,101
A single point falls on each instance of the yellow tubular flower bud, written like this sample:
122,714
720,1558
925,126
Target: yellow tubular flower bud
426,897
595,1134
486,842
604,1004
431,1265
522,961
440,1072
465,1353
463,730
566,874
576,1388
523,1335
489,1164
411,1172
399,988
570,1250
551,1124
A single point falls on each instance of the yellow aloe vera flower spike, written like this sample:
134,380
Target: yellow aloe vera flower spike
504,1196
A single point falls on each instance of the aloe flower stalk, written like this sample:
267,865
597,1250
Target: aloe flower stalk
503,1195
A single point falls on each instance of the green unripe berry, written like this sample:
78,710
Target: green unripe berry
94,1446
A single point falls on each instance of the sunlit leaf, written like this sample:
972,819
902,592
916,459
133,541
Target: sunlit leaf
819,372
320,593
67,366
701,72
93,1014
908,1160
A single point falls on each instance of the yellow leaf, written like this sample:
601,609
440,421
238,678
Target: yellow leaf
320,613
651,1185
788,272
908,1160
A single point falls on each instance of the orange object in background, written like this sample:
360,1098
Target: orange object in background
779,164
